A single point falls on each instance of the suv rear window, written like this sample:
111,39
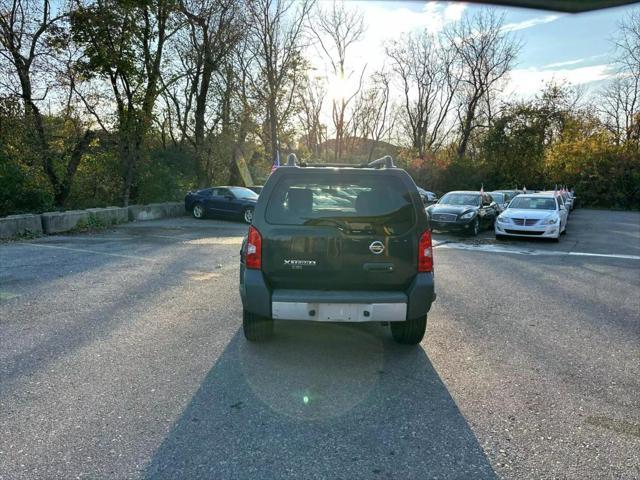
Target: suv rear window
355,204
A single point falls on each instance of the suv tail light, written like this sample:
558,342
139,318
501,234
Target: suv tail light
253,249
425,253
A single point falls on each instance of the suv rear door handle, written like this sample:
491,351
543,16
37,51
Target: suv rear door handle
378,267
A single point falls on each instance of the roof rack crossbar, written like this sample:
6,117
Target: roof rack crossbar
386,162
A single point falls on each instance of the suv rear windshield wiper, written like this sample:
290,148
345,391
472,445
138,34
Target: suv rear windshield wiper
342,226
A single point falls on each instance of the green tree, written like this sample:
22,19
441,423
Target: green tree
123,43
513,149
31,37
588,157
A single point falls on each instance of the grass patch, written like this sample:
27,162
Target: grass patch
26,235
91,224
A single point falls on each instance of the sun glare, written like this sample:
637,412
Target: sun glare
338,88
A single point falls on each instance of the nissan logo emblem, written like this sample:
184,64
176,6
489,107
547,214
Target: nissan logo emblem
376,247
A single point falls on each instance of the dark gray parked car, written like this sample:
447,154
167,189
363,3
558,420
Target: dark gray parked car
341,245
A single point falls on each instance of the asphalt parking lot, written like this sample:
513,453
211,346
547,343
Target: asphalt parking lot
121,356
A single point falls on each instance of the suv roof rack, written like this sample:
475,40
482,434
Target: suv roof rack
384,162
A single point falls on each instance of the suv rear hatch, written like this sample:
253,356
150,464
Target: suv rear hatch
341,230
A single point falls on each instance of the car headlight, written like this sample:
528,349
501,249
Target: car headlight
468,215
550,221
502,219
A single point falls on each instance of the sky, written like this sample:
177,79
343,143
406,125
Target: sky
574,48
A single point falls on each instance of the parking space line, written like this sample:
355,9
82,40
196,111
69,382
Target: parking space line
531,252
83,250
169,237
4,295
609,255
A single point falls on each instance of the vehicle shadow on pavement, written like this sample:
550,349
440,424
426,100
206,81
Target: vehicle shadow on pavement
321,401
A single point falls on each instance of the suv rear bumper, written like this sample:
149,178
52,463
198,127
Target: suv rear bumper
292,304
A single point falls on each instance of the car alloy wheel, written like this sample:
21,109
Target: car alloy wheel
198,211
248,215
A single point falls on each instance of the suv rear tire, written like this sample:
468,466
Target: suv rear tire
255,327
409,332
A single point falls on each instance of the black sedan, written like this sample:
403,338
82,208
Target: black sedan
227,202
463,211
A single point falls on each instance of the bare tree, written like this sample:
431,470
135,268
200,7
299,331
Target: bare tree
425,67
620,99
214,29
311,98
336,30
485,53
274,62
373,116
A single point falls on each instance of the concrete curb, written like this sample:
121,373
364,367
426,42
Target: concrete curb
58,222
109,215
153,211
15,225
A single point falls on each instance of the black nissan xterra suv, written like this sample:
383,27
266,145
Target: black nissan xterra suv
338,244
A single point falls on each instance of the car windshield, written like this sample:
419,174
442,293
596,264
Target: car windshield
358,204
498,197
244,193
460,199
533,203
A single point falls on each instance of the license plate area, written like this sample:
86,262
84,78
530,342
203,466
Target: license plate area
340,312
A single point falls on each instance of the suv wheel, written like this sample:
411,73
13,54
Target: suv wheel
198,211
247,215
409,332
255,327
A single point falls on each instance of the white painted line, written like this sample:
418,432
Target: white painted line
608,255
7,295
94,252
170,237
516,251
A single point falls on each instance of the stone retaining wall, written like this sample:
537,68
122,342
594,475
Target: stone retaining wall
16,225
154,211
59,222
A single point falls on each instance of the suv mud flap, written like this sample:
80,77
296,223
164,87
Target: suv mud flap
421,295
255,288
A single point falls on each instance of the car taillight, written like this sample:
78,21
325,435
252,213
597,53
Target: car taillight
425,253
253,249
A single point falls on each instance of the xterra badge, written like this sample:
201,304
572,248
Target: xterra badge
300,263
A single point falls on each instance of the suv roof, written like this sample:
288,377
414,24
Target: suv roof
383,162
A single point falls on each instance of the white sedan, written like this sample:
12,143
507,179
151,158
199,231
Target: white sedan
537,215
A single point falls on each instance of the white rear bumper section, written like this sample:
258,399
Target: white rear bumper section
340,312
